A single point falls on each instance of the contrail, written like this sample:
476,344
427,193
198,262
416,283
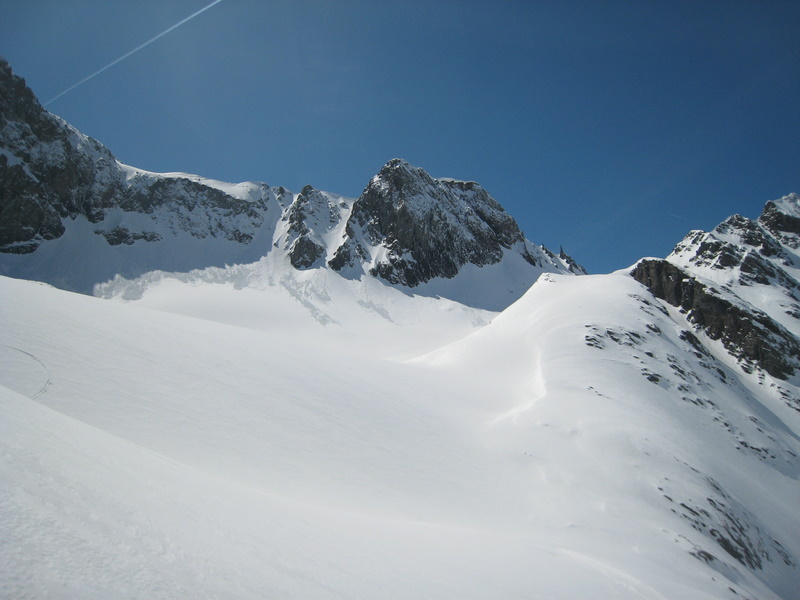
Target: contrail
134,51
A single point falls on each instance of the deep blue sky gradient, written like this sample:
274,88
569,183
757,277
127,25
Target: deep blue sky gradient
609,127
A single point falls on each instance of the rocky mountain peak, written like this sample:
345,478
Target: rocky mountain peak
747,251
312,214
53,175
782,219
413,228
50,172
17,101
403,178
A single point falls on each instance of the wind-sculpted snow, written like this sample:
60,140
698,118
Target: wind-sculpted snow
583,444
267,297
608,450
664,413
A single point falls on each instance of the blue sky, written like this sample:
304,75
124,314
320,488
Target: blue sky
611,128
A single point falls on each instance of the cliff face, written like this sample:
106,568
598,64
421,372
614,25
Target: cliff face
48,171
748,334
739,284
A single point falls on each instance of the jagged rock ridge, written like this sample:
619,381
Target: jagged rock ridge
406,228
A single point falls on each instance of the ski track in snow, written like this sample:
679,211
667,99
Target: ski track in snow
23,378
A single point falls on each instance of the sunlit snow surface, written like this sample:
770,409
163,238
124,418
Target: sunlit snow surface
317,437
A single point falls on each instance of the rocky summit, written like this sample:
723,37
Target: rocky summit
429,228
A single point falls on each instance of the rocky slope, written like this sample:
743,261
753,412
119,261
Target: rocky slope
739,285
717,340
74,216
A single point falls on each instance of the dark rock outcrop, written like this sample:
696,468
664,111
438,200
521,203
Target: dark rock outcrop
428,227
309,215
747,333
48,172
783,225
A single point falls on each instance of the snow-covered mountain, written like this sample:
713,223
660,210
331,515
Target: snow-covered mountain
72,215
309,396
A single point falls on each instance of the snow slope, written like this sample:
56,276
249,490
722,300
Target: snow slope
151,454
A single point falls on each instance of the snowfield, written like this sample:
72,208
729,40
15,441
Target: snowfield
249,449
